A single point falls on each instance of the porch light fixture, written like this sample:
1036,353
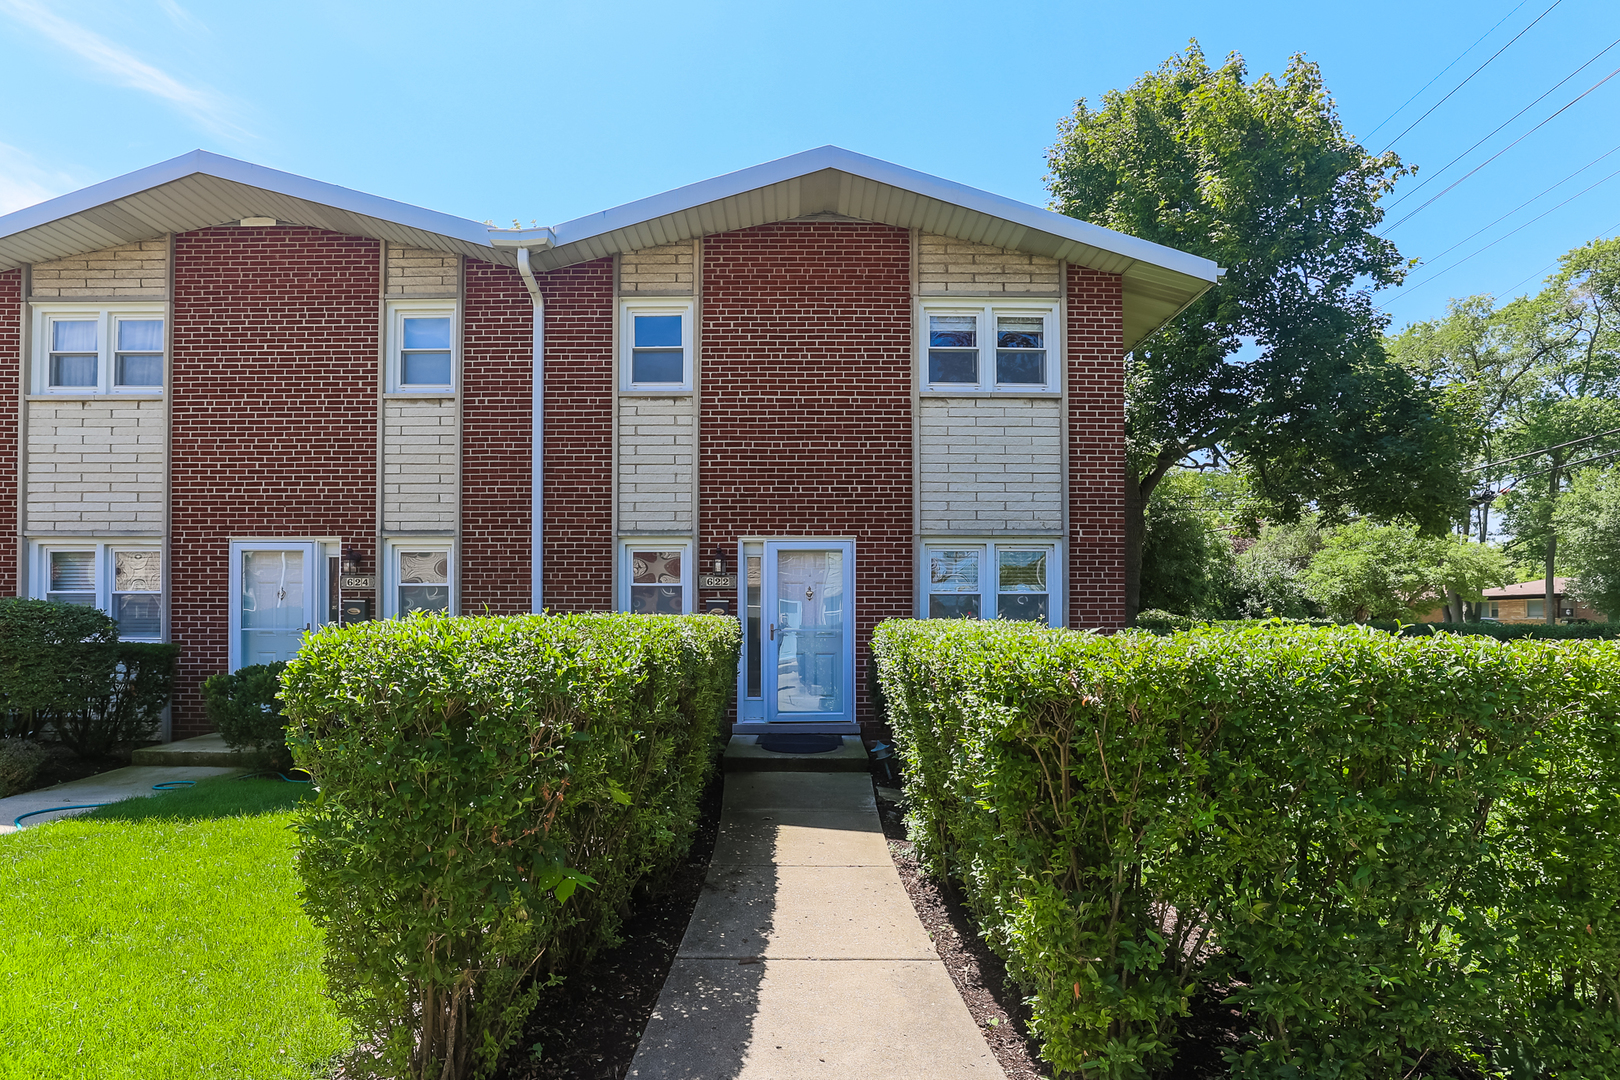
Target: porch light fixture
720,560
351,563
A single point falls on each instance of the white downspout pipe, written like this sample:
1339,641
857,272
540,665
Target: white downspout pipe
537,428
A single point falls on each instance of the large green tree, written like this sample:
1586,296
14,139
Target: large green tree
1280,368
1369,571
1588,518
1528,378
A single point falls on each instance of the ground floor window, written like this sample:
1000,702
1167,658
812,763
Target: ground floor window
1001,579
656,576
418,577
124,578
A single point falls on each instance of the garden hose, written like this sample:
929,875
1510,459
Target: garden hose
166,785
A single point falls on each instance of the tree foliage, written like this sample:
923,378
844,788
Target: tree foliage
1280,367
1527,377
1369,571
1588,518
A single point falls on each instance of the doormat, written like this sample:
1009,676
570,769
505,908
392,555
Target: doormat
800,743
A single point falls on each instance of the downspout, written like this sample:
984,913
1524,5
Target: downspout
524,241
537,448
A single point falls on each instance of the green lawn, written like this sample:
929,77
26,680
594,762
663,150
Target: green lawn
162,940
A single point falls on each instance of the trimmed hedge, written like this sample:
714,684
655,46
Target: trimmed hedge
491,792
64,671
1164,622
1390,853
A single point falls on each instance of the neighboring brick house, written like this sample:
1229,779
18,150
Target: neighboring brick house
1526,602
817,393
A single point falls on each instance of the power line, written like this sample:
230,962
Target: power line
1471,75
1436,258
1543,450
1549,266
1440,273
1547,93
1448,67
1499,153
1566,468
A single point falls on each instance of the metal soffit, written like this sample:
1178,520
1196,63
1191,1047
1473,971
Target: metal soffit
201,189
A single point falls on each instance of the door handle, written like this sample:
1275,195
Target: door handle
773,631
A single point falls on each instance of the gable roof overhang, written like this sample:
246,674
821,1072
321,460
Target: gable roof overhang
201,189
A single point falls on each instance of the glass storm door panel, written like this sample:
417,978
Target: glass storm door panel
808,648
274,602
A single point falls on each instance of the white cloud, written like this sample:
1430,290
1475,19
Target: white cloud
23,182
182,18
204,106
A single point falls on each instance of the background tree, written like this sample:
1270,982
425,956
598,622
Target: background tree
1368,571
1527,378
1187,551
1588,520
1269,574
1280,368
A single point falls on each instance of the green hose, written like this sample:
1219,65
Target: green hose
167,785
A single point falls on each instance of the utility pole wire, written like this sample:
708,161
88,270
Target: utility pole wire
1543,450
1566,468
1448,67
1549,266
1521,206
1465,82
1545,94
1441,273
1499,153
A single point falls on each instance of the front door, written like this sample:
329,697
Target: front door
272,601
809,648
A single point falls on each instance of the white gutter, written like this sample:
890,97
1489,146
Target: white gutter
539,238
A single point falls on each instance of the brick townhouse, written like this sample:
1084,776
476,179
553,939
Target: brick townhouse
814,394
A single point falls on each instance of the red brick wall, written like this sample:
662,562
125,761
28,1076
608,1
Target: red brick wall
806,401
274,398
1096,449
11,316
496,459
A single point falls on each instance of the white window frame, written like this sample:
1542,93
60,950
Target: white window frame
391,575
106,317
989,568
683,544
398,312
986,310
628,310
104,551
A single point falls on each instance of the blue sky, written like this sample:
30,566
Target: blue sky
547,111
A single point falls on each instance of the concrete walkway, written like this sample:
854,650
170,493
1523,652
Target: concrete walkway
102,788
804,957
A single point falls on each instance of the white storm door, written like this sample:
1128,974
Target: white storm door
272,600
809,647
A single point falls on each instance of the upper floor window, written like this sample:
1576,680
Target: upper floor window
125,582
657,345
973,346
99,350
1004,580
422,346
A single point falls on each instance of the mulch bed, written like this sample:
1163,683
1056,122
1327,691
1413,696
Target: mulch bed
993,1000
588,1028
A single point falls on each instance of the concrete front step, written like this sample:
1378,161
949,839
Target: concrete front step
743,754
207,750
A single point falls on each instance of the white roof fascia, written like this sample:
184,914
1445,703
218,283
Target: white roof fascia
878,171
246,173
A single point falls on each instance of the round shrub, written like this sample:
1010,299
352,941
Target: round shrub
243,706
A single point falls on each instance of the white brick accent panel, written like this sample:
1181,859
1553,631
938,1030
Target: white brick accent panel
659,271
419,464
991,465
946,266
138,269
655,464
95,466
416,272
